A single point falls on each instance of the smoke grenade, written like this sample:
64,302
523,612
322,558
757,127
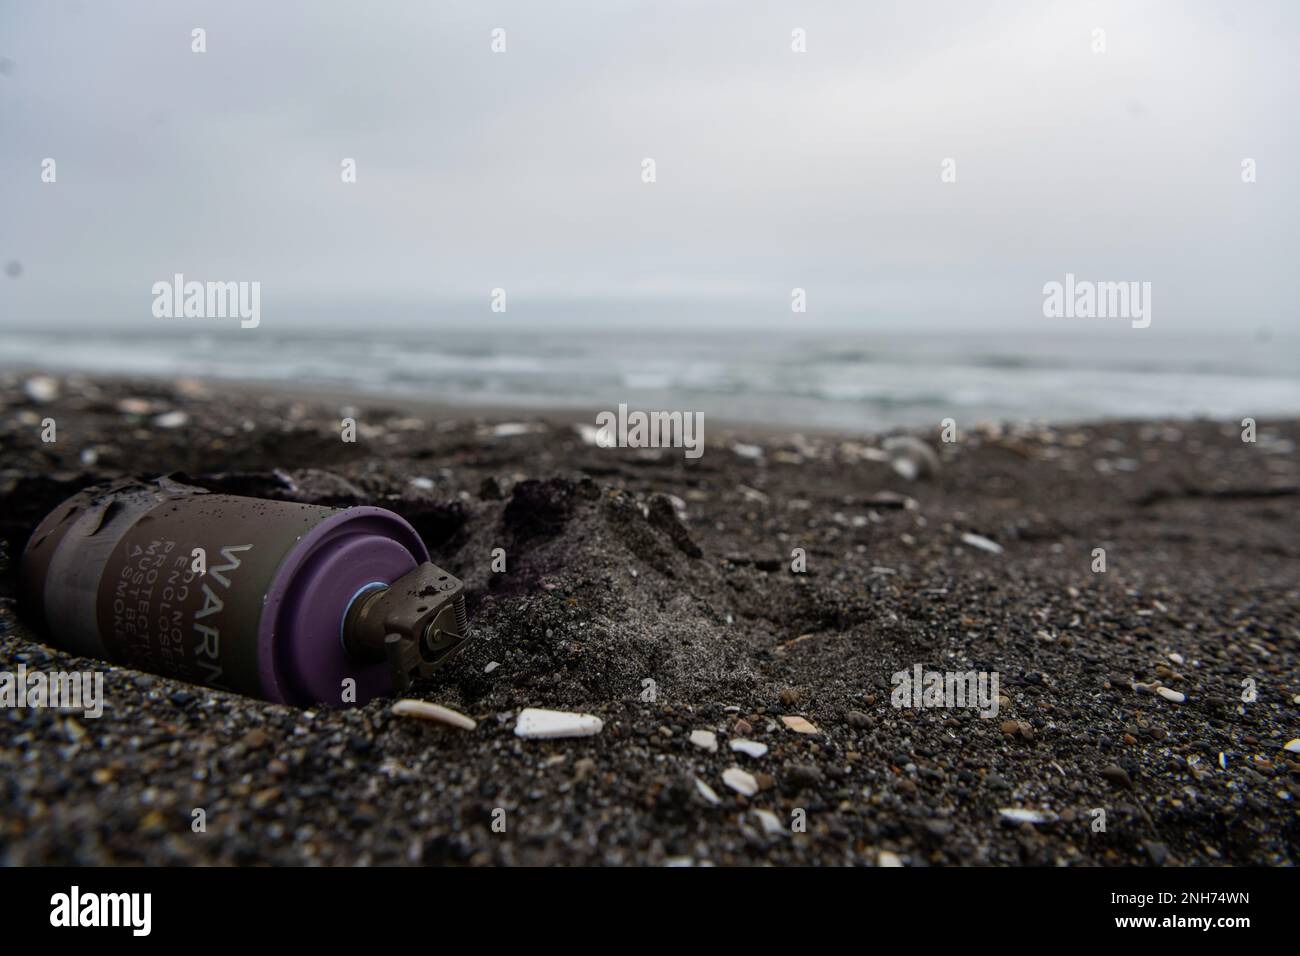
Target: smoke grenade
293,603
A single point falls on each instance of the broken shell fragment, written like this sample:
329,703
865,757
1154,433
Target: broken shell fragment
770,822
751,748
706,792
1021,815
981,542
538,723
435,712
705,740
740,781
800,726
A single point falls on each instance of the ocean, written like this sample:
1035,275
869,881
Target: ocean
814,379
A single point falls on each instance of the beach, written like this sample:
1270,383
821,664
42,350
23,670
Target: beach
660,593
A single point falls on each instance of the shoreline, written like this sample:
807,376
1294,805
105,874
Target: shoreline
558,414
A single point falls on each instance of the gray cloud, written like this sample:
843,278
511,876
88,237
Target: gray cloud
775,170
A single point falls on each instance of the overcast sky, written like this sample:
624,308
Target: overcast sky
775,169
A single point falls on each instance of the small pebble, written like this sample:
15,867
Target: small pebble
1171,695
1117,776
803,775
1157,851
910,457
134,406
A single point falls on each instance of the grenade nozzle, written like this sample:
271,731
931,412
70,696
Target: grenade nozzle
416,623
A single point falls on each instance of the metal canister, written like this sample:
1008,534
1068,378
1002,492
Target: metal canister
293,603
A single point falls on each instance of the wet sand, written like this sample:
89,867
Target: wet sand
627,566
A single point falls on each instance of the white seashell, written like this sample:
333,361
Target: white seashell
740,781
1018,815
705,740
800,726
751,748
435,712
538,723
981,542
171,419
41,389
770,821
706,791
510,429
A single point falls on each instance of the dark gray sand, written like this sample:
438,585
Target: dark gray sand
626,566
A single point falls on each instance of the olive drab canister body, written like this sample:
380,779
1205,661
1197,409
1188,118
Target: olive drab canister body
289,602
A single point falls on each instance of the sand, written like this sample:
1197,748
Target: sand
657,594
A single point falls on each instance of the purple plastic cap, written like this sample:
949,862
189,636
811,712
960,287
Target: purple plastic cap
301,658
